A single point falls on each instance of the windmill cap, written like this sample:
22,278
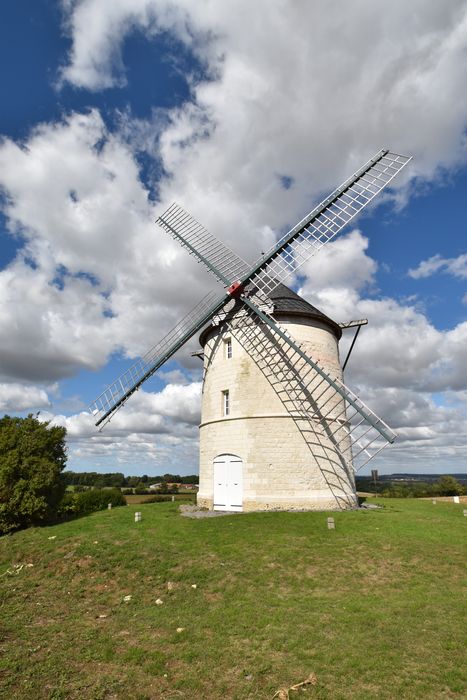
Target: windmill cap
288,303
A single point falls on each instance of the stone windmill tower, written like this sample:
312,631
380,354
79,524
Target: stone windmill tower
255,453
279,427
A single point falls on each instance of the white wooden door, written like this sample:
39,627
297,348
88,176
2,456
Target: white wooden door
228,483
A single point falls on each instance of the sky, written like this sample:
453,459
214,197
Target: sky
247,115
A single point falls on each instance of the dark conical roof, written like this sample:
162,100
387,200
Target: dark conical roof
288,303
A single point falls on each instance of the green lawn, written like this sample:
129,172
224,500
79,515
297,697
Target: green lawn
374,608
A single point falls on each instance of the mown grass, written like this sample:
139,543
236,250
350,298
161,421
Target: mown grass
374,608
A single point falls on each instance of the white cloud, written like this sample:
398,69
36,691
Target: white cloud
154,429
146,412
452,266
175,376
402,366
98,28
400,347
96,275
342,265
276,74
73,188
48,333
16,397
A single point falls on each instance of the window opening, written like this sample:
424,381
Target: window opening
225,402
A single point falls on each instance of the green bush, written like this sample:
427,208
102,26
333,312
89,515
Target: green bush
75,504
97,499
158,499
67,506
165,497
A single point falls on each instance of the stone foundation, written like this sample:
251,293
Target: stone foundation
272,504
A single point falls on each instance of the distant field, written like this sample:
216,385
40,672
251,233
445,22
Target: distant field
374,608
442,499
445,499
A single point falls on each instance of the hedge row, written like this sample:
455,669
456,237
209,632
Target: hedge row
74,504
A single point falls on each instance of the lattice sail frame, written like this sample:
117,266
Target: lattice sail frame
352,428
117,393
278,265
325,221
222,262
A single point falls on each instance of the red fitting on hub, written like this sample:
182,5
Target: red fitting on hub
235,289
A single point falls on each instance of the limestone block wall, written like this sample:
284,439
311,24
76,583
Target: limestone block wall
280,471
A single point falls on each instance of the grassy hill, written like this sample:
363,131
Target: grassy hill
256,602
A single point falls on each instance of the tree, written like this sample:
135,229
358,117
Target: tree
191,479
448,486
32,457
163,488
172,478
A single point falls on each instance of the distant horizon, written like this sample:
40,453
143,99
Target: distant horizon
195,473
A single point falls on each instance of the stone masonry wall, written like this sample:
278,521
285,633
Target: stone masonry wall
279,470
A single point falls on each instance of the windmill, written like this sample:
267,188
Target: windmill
340,434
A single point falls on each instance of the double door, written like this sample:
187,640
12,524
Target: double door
228,483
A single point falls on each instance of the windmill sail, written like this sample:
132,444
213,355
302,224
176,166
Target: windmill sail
280,263
356,433
294,249
212,253
276,364
309,393
116,394
297,246
342,433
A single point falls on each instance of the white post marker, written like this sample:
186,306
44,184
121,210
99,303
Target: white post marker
465,513
455,499
331,524
434,501
138,516
109,506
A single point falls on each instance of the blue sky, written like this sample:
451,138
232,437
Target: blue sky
110,112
